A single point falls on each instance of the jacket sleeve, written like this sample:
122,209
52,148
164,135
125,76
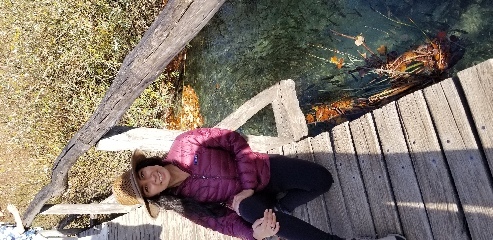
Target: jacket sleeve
230,141
230,224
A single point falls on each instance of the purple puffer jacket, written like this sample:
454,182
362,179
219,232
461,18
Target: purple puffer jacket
221,164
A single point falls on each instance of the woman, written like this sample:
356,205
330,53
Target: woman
212,177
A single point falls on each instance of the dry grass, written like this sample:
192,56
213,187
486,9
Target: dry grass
56,62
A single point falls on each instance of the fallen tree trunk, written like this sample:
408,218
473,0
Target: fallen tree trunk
175,26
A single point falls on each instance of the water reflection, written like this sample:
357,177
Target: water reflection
251,44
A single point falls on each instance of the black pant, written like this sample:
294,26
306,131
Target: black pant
301,181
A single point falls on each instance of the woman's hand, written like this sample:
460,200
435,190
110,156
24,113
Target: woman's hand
239,197
266,226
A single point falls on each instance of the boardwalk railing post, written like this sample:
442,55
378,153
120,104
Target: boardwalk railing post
290,121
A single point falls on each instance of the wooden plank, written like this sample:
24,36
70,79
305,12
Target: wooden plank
338,215
138,225
431,170
351,182
301,211
55,237
277,150
204,233
463,156
180,227
477,83
290,121
93,208
200,232
163,220
122,138
412,213
110,199
373,169
99,232
316,209
265,143
60,233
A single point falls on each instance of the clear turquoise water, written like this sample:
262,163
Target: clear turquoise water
251,44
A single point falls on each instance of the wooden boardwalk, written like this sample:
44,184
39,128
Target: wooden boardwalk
421,166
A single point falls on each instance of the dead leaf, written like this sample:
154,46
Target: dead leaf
359,40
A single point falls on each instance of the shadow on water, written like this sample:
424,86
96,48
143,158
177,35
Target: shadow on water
250,45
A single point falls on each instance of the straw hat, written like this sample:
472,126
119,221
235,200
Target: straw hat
126,190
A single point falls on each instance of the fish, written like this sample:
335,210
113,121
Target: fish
459,31
359,14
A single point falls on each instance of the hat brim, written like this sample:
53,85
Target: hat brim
137,157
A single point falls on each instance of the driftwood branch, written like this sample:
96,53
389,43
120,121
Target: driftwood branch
175,26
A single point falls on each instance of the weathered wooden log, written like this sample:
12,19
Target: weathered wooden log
175,26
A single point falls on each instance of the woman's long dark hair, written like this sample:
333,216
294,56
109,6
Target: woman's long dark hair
184,206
